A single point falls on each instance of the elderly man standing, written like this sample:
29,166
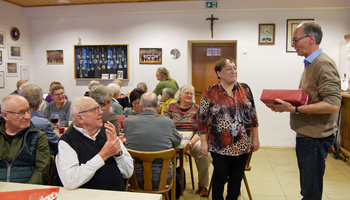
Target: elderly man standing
316,123
90,155
34,95
24,152
149,131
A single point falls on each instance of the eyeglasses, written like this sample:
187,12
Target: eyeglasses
299,38
95,110
20,113
59,94
188,93
135,104
230,68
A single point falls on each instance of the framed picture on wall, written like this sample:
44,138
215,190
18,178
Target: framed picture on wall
11,69
150,56
24,73
2,79
101,61
54,57
291,26
0,57
266,34
2,39
15,51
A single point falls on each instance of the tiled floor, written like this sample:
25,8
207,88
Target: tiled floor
275,176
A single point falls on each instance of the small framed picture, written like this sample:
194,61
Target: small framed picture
0,57
11,69
2,39
120,74
2,79
266,34
54,57
150,56
292,24
24,73
15,51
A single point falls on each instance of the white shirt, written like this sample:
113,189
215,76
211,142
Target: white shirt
74,175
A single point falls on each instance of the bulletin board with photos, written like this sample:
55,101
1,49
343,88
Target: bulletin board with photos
102,62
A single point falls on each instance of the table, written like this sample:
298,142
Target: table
79,193
186,137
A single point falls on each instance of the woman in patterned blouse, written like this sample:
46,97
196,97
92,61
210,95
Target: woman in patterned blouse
228,125
183,113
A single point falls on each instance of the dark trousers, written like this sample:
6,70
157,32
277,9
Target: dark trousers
227,169
311,155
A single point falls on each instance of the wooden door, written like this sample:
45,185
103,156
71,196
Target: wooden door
203,62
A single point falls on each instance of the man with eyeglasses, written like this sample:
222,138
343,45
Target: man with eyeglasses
24,152
316,123
90,155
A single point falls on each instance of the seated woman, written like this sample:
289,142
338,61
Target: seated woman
122,99
183,113
135,108
168,98
49,97
59,104
103,97
91,85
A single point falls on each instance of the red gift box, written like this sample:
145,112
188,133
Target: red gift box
296,97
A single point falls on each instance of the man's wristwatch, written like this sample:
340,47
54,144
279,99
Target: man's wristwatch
296,110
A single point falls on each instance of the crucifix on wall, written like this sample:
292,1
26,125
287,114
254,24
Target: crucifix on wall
212,24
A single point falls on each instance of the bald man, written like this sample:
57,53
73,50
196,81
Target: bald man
24,152
90,155
19,83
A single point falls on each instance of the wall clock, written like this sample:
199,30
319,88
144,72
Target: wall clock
15,34
266,34
175,54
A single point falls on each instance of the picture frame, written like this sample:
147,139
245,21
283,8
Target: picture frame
266,34
150,56
15,51
2,79
0,57
291,26
11,69
54,57
101,62
24,73
2,39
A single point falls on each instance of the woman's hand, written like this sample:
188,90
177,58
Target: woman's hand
204,145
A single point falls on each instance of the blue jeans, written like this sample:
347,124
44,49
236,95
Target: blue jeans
311,155
227,169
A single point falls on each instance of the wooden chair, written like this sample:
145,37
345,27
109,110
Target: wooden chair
147,158
247,168
191,168
53,176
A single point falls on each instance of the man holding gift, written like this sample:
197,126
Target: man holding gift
315,123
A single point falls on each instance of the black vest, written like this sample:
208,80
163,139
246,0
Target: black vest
108,177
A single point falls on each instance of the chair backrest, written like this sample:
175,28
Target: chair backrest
147,158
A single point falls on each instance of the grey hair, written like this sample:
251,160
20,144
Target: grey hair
182,90
76,107
93,83
313,28
101,94
55,87
143,86
114,88
33,93
169,92
149,100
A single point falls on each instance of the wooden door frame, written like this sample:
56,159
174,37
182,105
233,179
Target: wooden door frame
190,53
